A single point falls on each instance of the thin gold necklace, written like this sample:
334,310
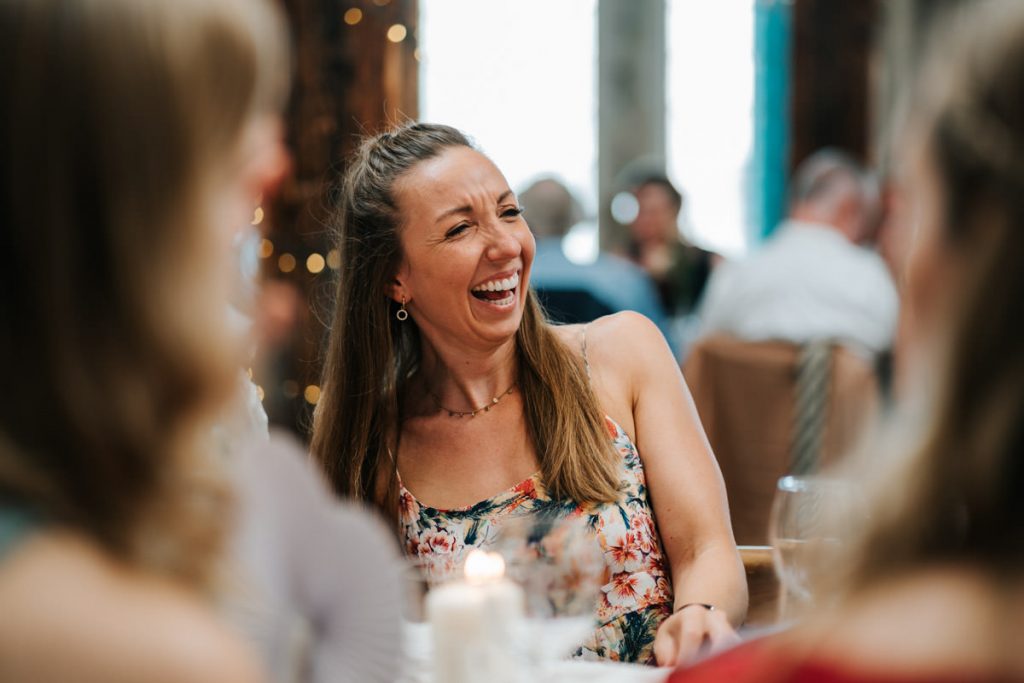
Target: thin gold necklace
472,413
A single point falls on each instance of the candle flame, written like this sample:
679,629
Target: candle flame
483,566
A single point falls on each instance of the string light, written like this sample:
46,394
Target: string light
397,33
334,259
286,262
353,16
259,392
315,263
416,54
257,215
312,394
266,248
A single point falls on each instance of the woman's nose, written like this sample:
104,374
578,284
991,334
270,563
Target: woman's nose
503,245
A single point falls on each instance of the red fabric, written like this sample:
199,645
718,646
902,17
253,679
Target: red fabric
762,661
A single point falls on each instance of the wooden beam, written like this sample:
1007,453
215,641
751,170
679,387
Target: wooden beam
831,99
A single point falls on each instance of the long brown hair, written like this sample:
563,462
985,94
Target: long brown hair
371,356
118,118
957,497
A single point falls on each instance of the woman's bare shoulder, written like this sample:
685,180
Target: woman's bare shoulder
108,622
625,325
625,351
626,341
612,334
570,335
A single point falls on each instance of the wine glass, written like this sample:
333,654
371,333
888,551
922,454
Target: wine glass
559,562
806,535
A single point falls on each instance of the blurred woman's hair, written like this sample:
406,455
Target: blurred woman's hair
119,119
661,182
372,355
958,496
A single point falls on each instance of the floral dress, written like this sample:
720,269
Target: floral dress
636,591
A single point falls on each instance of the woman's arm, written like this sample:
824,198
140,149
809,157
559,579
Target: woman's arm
642,382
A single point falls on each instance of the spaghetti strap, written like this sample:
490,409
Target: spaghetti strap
583,338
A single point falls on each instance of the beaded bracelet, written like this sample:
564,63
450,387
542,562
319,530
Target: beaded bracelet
710,608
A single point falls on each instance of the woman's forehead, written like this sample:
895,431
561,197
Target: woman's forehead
459,173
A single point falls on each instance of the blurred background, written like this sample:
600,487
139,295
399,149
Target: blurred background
722,97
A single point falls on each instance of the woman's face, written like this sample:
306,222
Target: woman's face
466,250
656,216
253,168
930,273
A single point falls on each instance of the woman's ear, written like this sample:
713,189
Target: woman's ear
399,287
397,290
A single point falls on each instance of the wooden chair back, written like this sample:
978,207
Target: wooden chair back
745,395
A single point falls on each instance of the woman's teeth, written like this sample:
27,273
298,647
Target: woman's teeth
500,292
499,285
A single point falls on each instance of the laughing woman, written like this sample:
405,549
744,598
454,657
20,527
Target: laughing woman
450,403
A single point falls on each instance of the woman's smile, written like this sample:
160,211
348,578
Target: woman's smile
499,291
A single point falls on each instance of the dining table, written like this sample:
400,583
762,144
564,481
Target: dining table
417,666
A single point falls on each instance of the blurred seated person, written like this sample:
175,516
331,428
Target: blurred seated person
933,589
680,270
295,550
298,552
580,292
813,279
129,165
454,406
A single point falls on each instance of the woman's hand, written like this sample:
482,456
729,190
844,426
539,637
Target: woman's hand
691,631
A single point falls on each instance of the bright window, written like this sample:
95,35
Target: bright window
519,77
710,98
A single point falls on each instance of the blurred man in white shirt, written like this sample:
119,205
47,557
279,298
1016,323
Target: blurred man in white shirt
813,279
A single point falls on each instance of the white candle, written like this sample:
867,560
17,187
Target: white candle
477,624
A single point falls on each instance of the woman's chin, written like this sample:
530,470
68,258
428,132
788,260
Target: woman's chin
500,320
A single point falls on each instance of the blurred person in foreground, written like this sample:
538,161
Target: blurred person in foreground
814,279
454,406
133,136
680,270
136,135
613,284
934,588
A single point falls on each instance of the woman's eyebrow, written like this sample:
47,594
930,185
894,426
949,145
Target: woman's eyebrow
451,212
469,209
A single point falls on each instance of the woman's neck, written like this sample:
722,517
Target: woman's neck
467,379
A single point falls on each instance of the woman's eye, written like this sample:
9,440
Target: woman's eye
512,213
456,231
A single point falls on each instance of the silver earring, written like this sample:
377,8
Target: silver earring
401,313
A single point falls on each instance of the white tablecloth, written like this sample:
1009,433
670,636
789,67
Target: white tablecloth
417,666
